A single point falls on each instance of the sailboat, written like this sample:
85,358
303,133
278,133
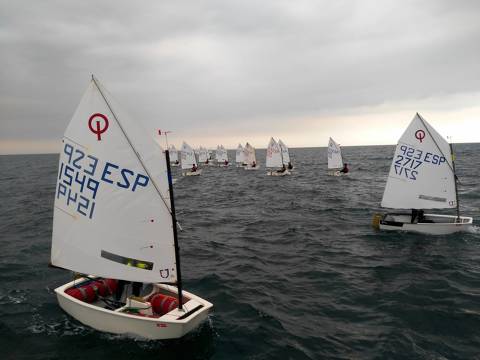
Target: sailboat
114,218
275,160
173,156
422,176
189,161
285,155
222,156
203,156
240,156
335,161
250,158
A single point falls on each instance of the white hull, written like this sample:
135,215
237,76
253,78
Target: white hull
433,224
276,173
248,167
174,165
190,173
223,165
337,173
167,326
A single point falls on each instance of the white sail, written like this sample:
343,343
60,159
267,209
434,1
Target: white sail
335,160
250,157
112,215
285,154
221,154
240,155
188,156
274,155
202,155
421,175
173,154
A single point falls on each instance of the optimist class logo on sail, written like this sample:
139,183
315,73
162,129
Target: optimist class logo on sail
82,175
420,135
97,129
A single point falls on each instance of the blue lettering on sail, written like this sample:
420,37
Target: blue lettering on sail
81,176
408,163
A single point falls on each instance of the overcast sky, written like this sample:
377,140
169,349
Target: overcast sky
235,71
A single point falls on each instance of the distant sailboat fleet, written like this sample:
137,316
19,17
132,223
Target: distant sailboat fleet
115,222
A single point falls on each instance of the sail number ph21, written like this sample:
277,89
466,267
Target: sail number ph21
410,159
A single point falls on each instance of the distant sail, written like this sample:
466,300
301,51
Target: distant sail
173,154
112,216
250,157
239,154
274,155
221,154
421,175
285,154
188,156
335,160
202,155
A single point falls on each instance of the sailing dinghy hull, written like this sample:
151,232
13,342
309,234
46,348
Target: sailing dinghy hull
432,225
276,173
248,167
337,173
196,173
172,325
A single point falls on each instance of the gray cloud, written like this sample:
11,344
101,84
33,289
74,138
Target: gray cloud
209,64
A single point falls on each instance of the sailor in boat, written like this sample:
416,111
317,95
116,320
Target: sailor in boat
345,169
177,162
254,164
206,162
226,163
418,216
136,288
282,170
194,168
290,166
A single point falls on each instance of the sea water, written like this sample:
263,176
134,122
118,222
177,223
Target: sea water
292,265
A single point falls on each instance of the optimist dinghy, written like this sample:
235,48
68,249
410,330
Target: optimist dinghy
173,156
285,155
275,160
240,156
114,217
189,161
422,176
250,158
203,156
222,156
335,160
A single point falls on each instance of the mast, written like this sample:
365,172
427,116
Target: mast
455,178
175,236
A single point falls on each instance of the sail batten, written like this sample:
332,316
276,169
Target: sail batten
111,196
421,174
